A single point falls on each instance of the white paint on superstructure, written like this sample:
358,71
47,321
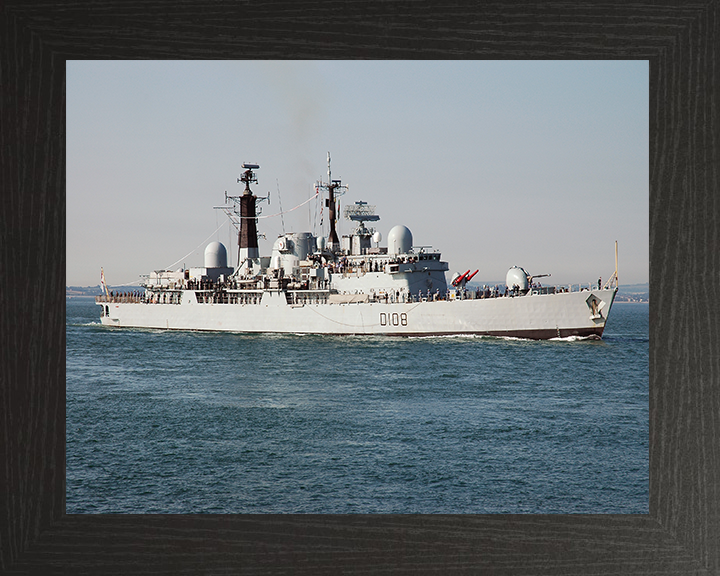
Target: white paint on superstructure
308,285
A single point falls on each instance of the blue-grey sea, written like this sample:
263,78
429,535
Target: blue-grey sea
188,422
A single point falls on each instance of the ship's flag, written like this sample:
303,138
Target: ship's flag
103,285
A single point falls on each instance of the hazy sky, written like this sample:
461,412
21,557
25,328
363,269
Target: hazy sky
537,164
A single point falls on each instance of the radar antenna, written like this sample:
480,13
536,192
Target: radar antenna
248,176
361,212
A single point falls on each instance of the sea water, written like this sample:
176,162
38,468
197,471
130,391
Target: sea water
195,422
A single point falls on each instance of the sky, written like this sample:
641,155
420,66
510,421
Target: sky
539,164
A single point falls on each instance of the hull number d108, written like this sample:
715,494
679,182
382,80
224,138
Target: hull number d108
393,319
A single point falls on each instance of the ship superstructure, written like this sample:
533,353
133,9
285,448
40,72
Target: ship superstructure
350,285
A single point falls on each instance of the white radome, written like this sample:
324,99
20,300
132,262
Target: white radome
399,240
215,255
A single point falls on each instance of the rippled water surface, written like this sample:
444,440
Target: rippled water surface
186,422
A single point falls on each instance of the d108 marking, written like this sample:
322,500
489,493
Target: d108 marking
393,319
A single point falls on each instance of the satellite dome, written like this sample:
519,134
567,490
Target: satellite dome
399,240
215,255
377,237
517,275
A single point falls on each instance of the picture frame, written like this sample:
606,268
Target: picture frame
680,533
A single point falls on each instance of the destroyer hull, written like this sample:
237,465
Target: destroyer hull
534,316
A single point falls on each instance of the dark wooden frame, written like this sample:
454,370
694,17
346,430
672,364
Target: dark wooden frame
681,533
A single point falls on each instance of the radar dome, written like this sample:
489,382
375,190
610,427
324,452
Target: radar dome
377,237
215,255
517,276
399,240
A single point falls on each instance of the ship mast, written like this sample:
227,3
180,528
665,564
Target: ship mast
335,189
247,237
245,220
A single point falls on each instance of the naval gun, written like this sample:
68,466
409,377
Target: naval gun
531,278
519,280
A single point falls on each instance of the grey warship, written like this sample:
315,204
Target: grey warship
312,284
